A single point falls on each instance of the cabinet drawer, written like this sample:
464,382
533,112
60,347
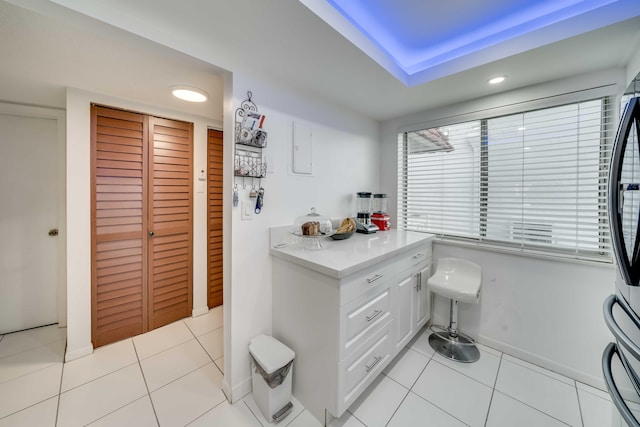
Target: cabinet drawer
363,281
407,260
363,317
359,369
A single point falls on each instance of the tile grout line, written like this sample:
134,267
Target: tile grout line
202,415
38,370
439,408
97,378
208,355
398,407
129,403
204,349
155,414
433,359
516,361
60,388
493,390
30,350
533,407
295,418
251,412
461,373
524,403
579,403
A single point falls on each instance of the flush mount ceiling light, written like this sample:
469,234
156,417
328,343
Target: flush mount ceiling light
497,80
189,93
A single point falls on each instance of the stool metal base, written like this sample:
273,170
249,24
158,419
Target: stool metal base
461,348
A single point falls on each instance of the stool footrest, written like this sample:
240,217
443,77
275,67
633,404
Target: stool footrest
460,348
460,338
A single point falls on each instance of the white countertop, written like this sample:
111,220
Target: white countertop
340,258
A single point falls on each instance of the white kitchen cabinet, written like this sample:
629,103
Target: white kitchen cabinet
422,296
340,309
404,311
413,302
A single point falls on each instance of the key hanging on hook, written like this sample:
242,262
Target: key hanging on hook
259,200
236,197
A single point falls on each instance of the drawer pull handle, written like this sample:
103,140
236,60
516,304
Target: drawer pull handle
376,360
374,278
374,315
418,255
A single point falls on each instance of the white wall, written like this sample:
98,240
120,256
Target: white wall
345,160
544,311
78,210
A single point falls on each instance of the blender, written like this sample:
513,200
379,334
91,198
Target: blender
363,216
379,216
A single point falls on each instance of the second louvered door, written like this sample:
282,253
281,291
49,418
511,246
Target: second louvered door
170,221
141,223
214,271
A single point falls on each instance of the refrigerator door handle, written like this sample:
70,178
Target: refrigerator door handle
615,328
624,410
628,257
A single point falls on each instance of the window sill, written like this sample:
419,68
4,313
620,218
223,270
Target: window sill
522,252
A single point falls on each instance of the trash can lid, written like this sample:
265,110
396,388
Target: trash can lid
270,353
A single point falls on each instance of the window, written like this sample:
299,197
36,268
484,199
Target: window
531,182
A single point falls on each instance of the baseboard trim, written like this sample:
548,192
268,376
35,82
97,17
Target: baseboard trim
78,353
226,390
199,311
543,362
238,392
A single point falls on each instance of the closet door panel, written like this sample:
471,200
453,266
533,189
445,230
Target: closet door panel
214,220
170,220
119,264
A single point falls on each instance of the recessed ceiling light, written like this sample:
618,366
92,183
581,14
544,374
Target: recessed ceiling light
189,93
496,80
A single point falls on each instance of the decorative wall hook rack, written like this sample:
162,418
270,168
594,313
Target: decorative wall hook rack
250,139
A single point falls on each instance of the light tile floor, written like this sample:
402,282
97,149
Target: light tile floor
172,377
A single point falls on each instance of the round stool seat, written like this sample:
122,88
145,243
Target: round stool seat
457,279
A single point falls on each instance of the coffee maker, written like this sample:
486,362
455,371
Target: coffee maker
363,216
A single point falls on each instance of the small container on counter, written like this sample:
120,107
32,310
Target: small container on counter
379,216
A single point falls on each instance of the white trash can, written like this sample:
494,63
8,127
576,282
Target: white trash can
271,371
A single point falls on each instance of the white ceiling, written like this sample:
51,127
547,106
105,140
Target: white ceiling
281,40
41,56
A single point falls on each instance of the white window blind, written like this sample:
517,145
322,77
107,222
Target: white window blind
531,182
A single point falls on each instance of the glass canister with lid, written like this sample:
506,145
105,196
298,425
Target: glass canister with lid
312,224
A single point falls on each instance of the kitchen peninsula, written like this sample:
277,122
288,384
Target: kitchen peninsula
347,310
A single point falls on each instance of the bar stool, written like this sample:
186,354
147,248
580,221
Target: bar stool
460,281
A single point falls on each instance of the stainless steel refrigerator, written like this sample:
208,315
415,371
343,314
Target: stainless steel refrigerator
621,358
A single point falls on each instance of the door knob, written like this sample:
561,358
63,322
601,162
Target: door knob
53,232
151,233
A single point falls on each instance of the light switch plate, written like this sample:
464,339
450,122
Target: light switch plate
247,210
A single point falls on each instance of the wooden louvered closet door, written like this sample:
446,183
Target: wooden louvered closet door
141,223
119,225
170,221
214,271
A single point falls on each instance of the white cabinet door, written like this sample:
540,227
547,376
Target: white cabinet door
422,298
404,297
